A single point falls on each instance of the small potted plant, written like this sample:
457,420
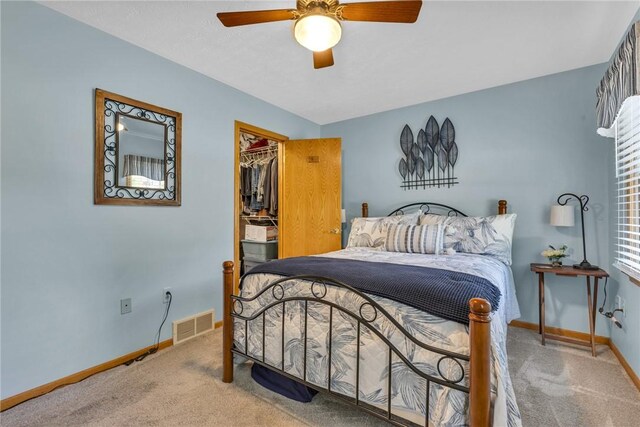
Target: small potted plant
555,255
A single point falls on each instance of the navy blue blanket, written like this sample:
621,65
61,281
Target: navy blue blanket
443,293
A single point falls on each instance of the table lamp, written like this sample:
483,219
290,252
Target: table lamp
562,215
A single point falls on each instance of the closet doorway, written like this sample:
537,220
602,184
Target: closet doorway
287,196
254,147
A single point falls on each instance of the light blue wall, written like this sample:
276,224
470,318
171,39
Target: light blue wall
526,142
66,263
626,339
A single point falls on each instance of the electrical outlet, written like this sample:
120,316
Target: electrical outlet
165,297
125,306
620,303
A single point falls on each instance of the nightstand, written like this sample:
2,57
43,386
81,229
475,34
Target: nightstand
592,301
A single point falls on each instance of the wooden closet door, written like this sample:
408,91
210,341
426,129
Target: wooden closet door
310,197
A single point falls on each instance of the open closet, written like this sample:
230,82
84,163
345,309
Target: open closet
287,196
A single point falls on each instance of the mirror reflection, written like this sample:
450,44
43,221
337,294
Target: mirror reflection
141,153
137,152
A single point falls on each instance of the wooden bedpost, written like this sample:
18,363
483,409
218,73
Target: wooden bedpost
227,322
480,364
502,207
365,210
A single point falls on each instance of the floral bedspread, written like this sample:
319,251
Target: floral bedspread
447,406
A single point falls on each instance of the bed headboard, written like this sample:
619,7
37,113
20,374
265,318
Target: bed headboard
435,208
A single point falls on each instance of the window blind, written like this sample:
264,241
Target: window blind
627,143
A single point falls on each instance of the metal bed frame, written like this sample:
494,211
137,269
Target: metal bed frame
479,335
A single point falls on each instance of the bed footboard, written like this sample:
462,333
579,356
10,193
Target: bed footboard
479,346
480,363
227,322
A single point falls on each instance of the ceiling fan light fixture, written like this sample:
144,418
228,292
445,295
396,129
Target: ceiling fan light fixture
317,32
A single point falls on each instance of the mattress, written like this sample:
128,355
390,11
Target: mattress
447,406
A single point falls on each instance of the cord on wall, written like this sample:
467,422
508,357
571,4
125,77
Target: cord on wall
155,348
609,314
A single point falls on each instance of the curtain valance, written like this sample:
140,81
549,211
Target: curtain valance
143,166
620,81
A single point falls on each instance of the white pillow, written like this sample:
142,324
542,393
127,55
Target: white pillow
431,219
415,239
372,232
490,235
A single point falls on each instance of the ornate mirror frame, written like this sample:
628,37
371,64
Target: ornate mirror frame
107,191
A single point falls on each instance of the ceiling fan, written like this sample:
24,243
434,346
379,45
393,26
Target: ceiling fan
317,23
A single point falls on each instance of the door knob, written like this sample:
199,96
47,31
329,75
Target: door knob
335,231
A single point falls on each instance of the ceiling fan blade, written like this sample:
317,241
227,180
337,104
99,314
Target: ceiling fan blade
323,59
233,19
402,11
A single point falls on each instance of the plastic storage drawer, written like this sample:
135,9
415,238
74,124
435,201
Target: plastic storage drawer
259,251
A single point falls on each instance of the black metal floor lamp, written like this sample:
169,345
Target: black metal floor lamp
563,216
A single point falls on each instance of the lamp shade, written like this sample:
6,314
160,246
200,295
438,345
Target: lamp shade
317,32
562,216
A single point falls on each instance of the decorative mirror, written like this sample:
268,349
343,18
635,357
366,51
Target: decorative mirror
137,155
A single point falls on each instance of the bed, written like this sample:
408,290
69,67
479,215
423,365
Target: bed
392,357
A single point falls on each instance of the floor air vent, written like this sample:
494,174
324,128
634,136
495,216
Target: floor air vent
193,326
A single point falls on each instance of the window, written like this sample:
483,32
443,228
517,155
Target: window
627,140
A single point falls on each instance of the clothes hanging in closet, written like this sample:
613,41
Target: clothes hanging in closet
245,187
266,187
256,205
258,186
273,209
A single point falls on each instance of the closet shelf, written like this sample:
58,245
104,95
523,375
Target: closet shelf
259,152
249,218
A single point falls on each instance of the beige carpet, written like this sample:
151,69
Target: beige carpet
556,385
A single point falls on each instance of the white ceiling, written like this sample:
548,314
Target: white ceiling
455,47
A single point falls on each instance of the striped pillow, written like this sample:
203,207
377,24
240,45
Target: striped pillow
415,239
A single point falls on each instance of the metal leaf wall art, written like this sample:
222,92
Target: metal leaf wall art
429,161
